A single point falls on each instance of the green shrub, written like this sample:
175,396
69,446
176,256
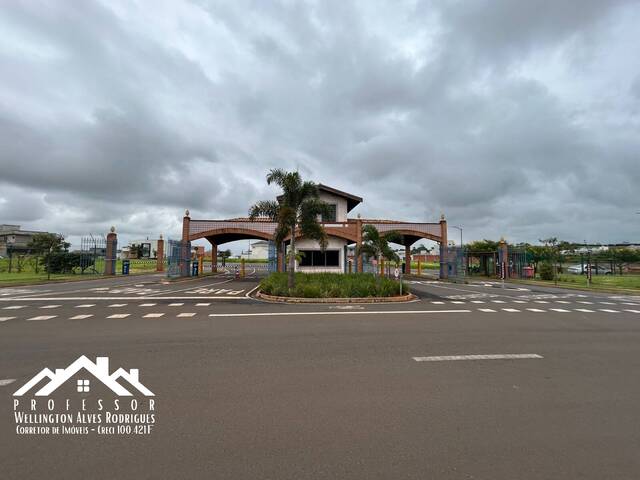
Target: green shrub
332,285
546,271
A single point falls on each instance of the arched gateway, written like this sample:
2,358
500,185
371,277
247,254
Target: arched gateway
341,231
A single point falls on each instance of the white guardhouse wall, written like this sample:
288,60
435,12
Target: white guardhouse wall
341,205
335,243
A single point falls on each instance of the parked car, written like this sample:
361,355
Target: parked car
600,270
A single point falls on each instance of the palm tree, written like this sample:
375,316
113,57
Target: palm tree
377,246
297,209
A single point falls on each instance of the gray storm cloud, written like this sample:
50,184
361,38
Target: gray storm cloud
519,119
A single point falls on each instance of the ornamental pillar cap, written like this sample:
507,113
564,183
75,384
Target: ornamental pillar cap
442,217
160,236
112,229
186,213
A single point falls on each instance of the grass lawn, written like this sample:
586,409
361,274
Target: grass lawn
605,281
332,285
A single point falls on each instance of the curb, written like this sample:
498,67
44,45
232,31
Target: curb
277,299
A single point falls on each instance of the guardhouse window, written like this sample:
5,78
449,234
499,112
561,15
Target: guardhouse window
318,258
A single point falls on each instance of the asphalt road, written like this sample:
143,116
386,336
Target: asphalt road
250,390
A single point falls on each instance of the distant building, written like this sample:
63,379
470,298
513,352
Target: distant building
14,240
258,250
149,249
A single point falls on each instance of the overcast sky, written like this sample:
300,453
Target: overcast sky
513,118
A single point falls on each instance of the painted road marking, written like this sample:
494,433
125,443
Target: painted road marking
438,303
119,315
486,310
181,315
633,311
519,301
117,305
51,306
333,312
606,303
14,307
512,310
562,301
561,310
629,303
61,299
86,305
500,356
176,304
477,301
6,381
536,310
4,319
585,303
456,302
153,315
541,301
585,310
41,317
81,317
202,304
498,301
608,310
147,304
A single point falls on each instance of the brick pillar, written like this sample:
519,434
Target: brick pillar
111,252
407,259
186,251
444,243
358,244
214,257
160,255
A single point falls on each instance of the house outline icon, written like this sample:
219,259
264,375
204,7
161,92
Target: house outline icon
99,369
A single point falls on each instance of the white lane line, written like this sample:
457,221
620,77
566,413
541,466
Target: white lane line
511,310
147,305
51,306
61,299
81,317
486,310
153,315
14,307
247,295
6,381
117,305
4,319
498,301
202,304
342,312
41,317
189,314
607,310
585,310
119,315
535,310
499,356
176,304
632,311
86,305
560,310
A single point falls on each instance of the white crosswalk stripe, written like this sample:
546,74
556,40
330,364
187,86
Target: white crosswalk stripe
438,303
585,310
498,301
202,304
486,310
86,305
560,310
148,304
535,310
585,303
81,317
510,310
632,311
119,315
176,304
117,305
477,301
606,303
562,301
51,306
41,317
519,301
608,310
4,319
629,303
455,301
185,314
540,301
153,315
14,307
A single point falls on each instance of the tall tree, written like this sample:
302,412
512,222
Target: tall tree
376,245
297,210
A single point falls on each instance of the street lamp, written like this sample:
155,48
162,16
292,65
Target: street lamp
459,227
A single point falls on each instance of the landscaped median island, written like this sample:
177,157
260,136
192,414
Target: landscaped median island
333,287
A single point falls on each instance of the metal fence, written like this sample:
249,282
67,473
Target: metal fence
93,250
178,258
